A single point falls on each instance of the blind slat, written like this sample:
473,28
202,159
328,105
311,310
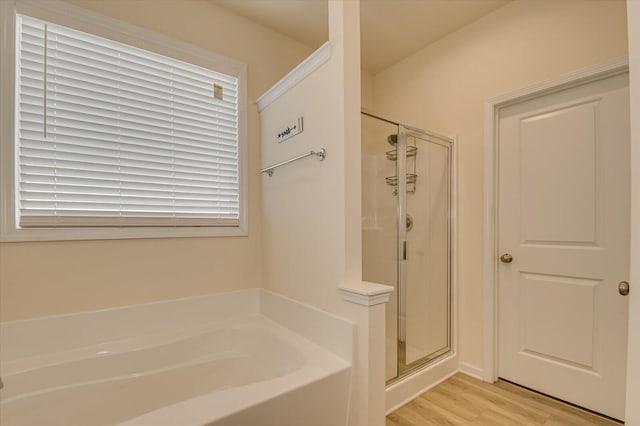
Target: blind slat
106,46
109,70
210,158
96,95
65,73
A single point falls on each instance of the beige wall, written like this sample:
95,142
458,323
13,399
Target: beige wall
45,278
366,81
633,367
305,204
444,86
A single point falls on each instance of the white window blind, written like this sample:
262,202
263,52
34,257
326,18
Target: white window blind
113,135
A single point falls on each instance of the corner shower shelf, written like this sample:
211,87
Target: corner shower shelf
412,151
393,180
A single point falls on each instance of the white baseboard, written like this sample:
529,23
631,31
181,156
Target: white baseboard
412,386
433,379
471,370
420,392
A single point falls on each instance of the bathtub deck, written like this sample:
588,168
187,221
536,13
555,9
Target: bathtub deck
463,400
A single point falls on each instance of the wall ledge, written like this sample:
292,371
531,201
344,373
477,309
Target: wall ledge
295,76
365,293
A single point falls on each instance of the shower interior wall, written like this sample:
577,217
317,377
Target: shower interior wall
379,228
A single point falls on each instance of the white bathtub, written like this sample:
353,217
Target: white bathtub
211,365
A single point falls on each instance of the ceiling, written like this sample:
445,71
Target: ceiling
390,29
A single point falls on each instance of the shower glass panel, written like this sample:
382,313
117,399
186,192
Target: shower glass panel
380,224
406,238
424,320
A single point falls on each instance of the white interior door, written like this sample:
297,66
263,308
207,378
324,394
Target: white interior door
564,219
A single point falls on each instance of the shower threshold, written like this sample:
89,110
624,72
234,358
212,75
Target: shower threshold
405,369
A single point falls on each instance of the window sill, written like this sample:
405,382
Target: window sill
70,234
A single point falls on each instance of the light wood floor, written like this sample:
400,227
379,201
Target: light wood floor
463,400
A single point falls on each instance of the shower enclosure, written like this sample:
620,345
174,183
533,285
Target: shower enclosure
406,238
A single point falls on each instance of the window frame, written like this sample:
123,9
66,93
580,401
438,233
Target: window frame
83,20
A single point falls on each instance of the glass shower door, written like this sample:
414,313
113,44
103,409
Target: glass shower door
424,323
406,222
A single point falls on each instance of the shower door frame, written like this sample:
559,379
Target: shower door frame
404,132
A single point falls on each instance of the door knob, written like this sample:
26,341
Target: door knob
623,288
506,258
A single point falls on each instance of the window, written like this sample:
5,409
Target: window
122,140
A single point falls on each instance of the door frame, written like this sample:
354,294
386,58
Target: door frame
492,110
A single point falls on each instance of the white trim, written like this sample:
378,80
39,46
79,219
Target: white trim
491,114
454,246
417,394
440,364
366,293
295,76
7,118
471,370
81,19
577,78
632,413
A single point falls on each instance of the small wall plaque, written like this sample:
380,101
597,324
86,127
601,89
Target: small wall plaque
290,130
